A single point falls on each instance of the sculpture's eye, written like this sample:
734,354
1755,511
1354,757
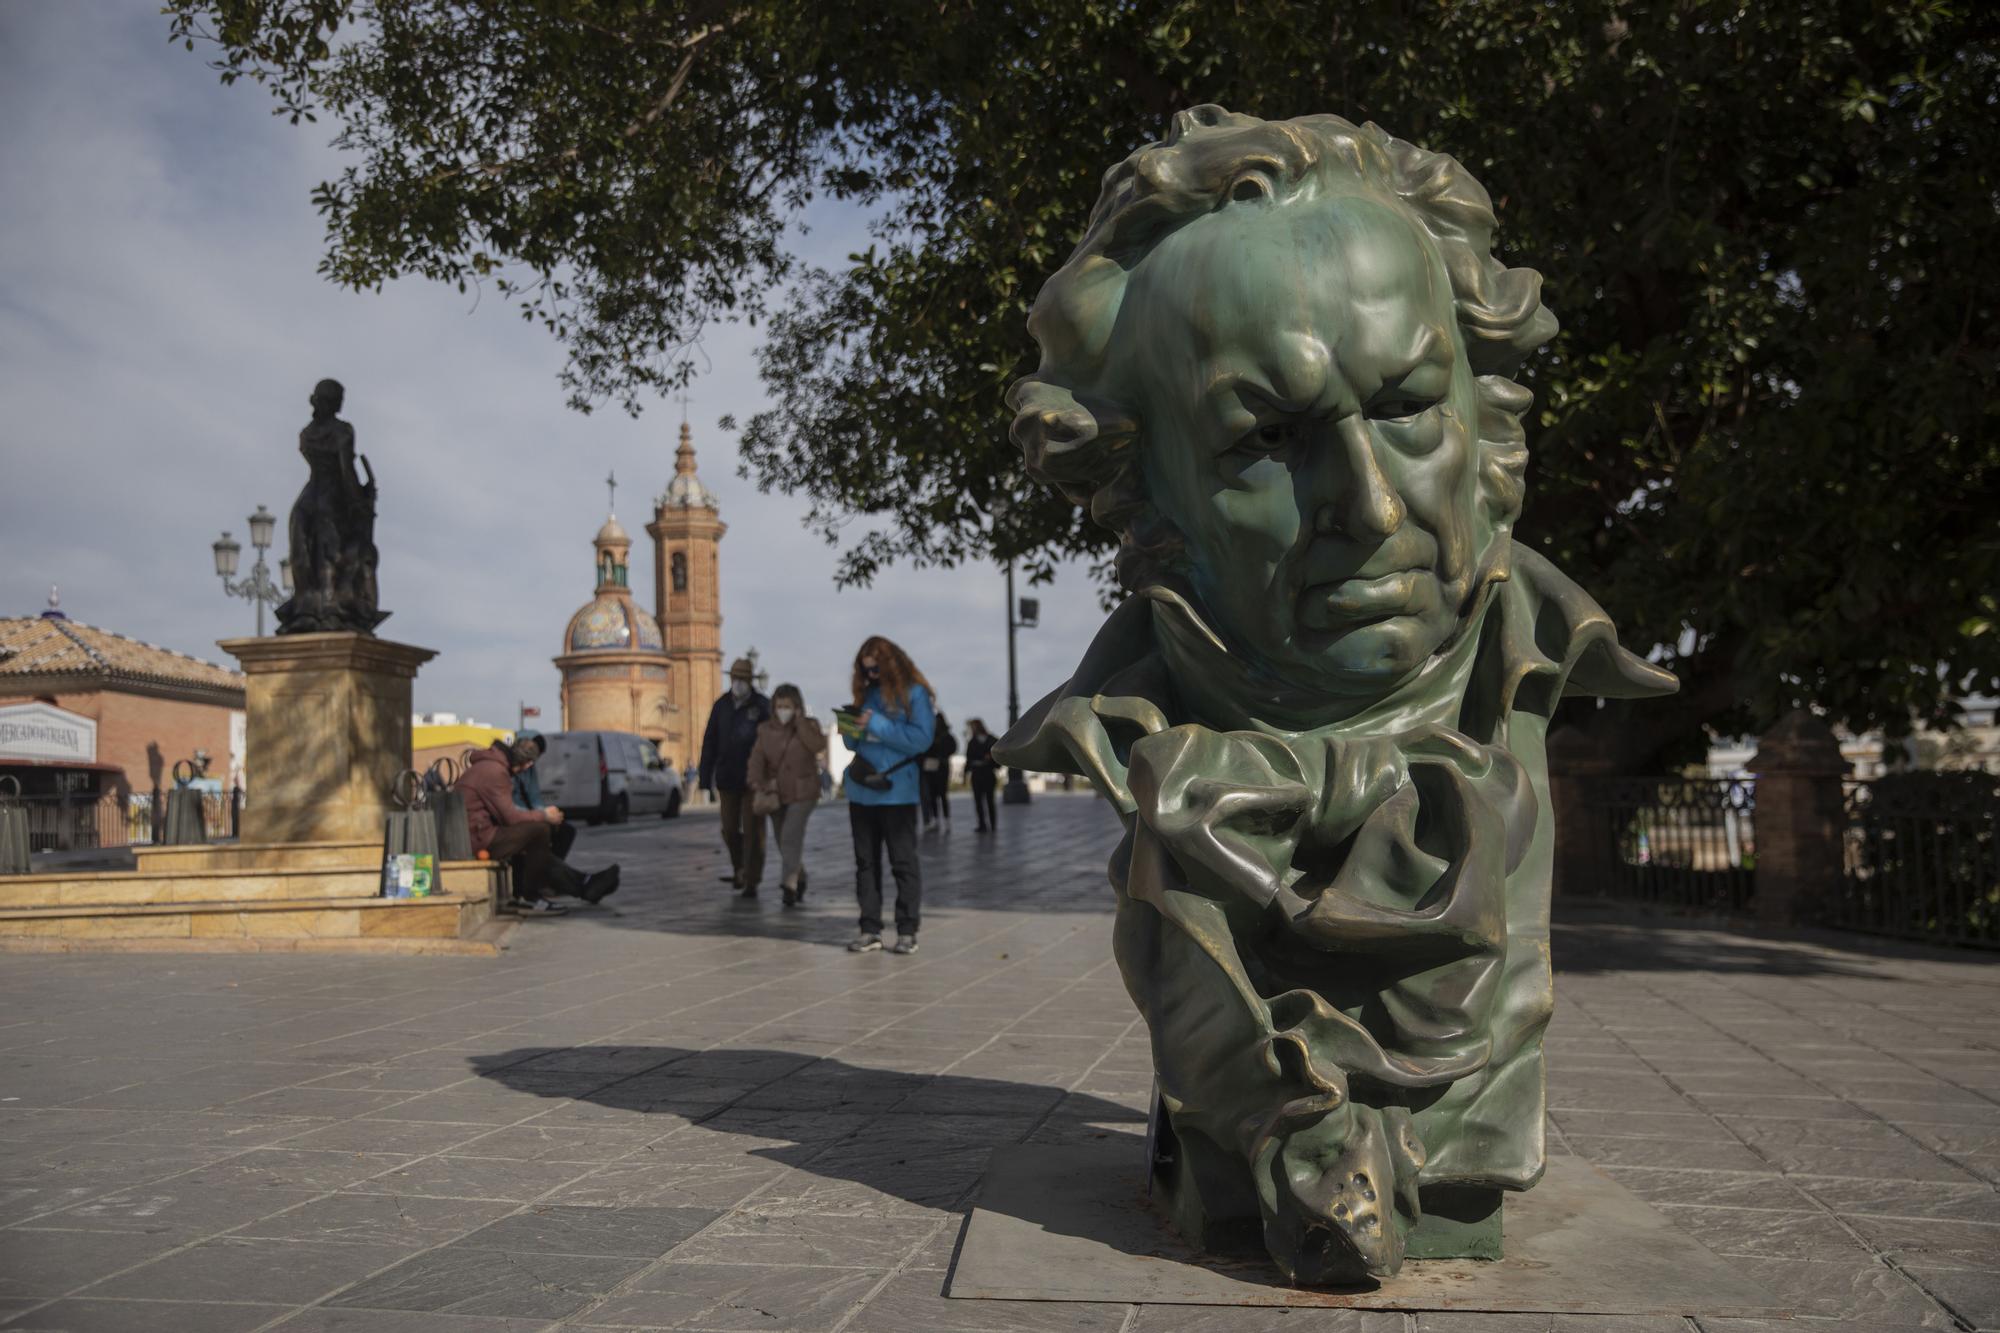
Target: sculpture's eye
1272,437
1400,409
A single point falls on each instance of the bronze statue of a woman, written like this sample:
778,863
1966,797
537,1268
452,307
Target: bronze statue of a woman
332,529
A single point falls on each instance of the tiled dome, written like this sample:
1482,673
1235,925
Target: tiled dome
613,624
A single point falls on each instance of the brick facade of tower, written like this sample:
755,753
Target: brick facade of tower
687,536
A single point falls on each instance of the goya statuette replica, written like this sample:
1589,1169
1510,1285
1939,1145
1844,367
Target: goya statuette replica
1277,365
332,529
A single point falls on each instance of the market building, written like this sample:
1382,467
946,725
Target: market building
86,711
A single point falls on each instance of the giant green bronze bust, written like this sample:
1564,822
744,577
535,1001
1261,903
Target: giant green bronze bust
1278,367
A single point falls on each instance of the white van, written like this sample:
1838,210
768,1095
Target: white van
597,776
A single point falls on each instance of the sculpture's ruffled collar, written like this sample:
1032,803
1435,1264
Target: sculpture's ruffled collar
1534,636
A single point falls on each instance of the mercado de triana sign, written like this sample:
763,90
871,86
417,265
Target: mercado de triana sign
43,732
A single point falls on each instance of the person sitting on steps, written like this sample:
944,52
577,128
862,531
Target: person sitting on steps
506,832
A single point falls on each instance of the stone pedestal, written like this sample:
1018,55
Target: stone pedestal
328,730
1799,822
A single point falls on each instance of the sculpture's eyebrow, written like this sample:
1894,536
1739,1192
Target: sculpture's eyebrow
1304,374
1430,349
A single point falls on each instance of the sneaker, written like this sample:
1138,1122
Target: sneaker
905,944
528,907
791,897
865,943
600,885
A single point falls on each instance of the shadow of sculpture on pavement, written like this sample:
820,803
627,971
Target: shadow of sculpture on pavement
921,1138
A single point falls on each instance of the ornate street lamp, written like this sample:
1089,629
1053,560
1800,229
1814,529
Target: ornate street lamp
1024,614
258,588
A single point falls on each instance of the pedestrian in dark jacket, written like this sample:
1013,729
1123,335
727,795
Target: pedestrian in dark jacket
982,773
937,775
892,725
725,770
506,832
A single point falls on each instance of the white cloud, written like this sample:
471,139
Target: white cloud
161,323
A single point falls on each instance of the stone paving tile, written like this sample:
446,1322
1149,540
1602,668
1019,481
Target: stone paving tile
172,1207
798,1131
456,1280
808,1239
232,1268
1766,1233
1972,1295
914,1301
53,1263
141,1316
737,1297
337,1319
455,1177
1212,1319
378,1219
635,1233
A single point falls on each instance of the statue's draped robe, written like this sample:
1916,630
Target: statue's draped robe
1338,933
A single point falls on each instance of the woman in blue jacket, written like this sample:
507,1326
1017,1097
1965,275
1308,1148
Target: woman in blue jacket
897,716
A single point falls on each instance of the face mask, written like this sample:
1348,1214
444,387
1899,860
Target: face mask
784,715
740,689
873,672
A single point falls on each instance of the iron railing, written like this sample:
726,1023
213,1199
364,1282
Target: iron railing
1921,859
1687,843
83,823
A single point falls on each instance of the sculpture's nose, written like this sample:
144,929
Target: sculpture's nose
1356,498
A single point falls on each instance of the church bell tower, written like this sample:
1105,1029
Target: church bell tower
687,536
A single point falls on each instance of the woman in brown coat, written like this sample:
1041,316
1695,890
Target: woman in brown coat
784,773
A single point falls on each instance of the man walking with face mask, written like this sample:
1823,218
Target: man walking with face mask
725,766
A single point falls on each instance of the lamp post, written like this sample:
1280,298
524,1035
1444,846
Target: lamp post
258,588
1029,613
760,675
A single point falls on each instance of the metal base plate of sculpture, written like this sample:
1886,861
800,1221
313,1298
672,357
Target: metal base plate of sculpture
1278,366
332,529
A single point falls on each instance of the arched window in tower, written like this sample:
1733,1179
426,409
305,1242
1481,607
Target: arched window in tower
680,568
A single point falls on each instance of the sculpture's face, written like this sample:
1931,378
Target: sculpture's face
1309,424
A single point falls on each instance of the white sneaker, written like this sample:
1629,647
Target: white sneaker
904,944
864,943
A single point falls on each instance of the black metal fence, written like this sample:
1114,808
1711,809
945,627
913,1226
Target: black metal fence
1681,842
1921,859
83,823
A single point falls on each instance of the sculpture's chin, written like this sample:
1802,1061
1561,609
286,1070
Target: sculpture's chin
1373,657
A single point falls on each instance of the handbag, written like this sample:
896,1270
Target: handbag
765,803
865,773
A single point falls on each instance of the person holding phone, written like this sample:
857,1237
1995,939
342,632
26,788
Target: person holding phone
889,728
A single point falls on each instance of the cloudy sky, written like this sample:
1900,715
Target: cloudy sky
161,325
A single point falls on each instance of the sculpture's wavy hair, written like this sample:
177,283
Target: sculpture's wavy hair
1076,438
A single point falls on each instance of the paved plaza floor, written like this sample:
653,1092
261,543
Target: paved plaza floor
680,1111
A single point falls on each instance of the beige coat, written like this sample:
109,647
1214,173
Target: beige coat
786,759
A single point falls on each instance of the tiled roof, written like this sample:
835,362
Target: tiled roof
40,646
